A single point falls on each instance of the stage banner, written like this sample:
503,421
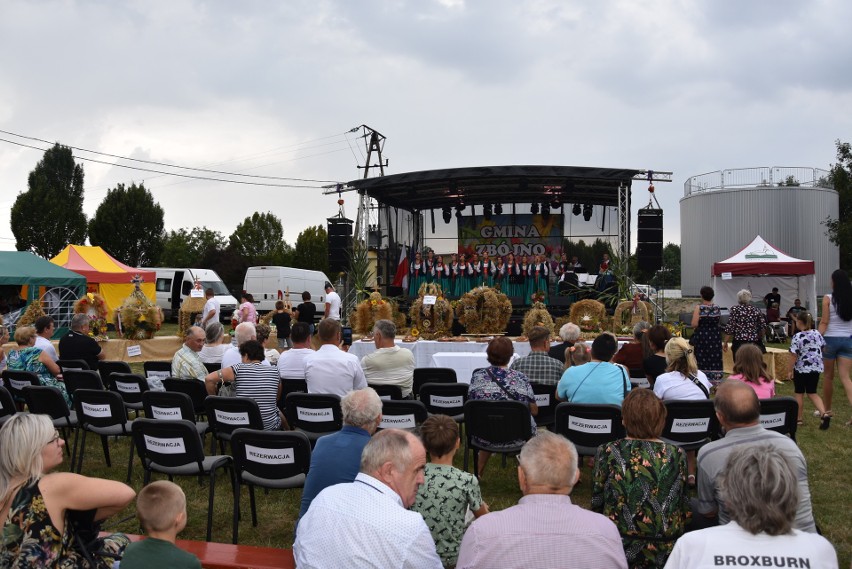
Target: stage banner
528,235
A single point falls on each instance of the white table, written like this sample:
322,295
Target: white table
463,363
425,349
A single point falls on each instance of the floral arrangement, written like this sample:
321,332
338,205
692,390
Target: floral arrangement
138,318
538,297
674,328
484,310
430,321
93,305
628,313
368,311
537,316
33,312
590,316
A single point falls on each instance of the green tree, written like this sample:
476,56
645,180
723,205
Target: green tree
260,238
129,226
839,230
49,215
191,247
669,274
311,251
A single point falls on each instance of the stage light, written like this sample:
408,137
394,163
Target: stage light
576,209
555,203
587,212
545,211
498,208
486,211
534,208
448,214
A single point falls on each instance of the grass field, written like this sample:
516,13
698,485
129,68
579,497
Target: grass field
829,454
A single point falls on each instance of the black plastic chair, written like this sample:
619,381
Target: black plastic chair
588,426
291,386
102,413
108,367
16,381
195,389
157,370
690,424
227,414
387,392
432,375
48,400
7,405
174,448
315,414
211,367
545,398
171,406
445,399
406,415
780,414
81,379
499,423
277,460
72,364
131,387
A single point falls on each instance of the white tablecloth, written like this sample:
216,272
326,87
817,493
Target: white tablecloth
425,349
463,363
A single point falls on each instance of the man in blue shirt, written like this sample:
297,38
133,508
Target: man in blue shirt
337,457
599,381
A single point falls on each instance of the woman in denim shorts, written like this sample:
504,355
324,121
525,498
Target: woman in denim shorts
836,326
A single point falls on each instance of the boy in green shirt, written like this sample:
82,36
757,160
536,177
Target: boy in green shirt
447,492
161,509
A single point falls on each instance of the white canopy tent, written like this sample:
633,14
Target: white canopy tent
759,267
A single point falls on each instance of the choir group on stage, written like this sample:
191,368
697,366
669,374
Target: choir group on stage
520,277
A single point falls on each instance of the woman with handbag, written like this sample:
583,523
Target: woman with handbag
38,505
499,383
707,336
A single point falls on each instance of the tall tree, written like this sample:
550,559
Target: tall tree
129,226
191,247
839,230
49,215
260,238
311,251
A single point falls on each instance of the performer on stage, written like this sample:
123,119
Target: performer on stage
500,277
606,264
514,280
540,273
441,274
526,271
563,266
465,277
476,271
454,272
416,275
486,270
430,266
575,264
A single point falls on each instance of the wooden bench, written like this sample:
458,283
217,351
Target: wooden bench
228,556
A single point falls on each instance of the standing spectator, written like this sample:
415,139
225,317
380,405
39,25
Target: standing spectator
707,336
210,312
545,529
638,483
214,348
538,366
498,383
599,381
569,333
78,345
655,364
836,327
29,358
806,364
389,364
281,319
44,332
772,298
332,302
306,311
750,368
746,324
291,364
330,369
186,363
246,312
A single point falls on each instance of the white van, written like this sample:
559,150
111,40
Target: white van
173,285
268,284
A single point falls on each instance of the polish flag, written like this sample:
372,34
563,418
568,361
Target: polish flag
401,277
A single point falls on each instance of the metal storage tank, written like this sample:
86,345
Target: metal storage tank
722,211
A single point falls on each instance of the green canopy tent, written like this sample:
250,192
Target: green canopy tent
55,287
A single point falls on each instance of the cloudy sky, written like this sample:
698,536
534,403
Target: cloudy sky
270,88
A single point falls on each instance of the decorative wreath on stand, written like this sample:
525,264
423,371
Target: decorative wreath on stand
368,311
430,321
537,316
590,316
93,305
483,310
138,318
628,313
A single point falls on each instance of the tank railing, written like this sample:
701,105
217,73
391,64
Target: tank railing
762,176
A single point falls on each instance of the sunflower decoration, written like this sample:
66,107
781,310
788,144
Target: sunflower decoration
484,310
138,318
373,308
590,316
433,320
537,316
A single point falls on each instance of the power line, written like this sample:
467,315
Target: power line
165,164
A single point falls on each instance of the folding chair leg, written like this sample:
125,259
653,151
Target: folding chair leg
253,508
74,451
236,530
65,437
130,462
210,503
466,452
105,444
82,453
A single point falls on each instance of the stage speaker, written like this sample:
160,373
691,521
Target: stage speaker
339,244
649,249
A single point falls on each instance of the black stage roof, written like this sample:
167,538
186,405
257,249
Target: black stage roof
433,189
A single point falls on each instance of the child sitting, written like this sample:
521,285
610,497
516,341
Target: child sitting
577,355
447,492
751,370
161,509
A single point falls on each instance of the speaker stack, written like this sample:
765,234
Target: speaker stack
339,244
649,250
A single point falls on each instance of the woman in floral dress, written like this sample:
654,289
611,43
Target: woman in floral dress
29,358
746,324
707,336
639,483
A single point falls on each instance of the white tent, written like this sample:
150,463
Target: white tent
759,267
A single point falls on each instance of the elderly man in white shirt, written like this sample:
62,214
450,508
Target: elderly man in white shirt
372,524
244,332
389,364
330,369
291,364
